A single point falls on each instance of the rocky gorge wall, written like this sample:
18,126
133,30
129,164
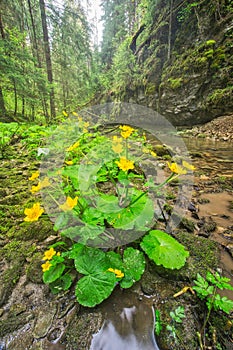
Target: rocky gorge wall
186,61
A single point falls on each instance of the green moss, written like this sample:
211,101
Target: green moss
150,89
187,225
17,250
204,252
13,323
219,95
8,279
209,53
37,231
210,42
34,271
175,83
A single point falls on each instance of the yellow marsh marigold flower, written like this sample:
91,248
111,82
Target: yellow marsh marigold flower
153,154
118,273
46,266
188,165
125,164
116,139
117,148
33,213
44,183
34,176
36,188
69,162
74,146
145,150
75,114
65,114
69,204
48,254
175,168
126,131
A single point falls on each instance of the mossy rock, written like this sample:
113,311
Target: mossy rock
162,150
13,323
34,271
8,280
17,250
79,332
37,231
187,224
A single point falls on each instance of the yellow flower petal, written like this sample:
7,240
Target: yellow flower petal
117,139
46,266
153,154
175,168
33,213
74,146
188,165
69,204
44,183
69,162
126,131
49,254
34,176
117,148
36,188
64,113
125,164
117,272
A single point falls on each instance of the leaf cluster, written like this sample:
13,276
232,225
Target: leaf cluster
206,289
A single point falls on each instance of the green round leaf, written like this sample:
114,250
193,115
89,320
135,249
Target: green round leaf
93,289
133,267
115,260
62,283
53,273
164,249
91,261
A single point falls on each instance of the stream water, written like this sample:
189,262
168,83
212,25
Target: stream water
129,323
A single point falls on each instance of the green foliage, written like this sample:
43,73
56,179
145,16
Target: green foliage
185,11
164,249
210,42
219,95
175,83
206,290
94,217
176,317
125,70
209,53
158,323
178,314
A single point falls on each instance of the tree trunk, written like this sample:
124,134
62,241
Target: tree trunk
37,57
47,57
16,98
2,103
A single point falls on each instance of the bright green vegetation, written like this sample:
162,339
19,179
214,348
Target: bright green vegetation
107,205
176,317
206,289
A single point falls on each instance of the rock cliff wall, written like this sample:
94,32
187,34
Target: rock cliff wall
186,61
